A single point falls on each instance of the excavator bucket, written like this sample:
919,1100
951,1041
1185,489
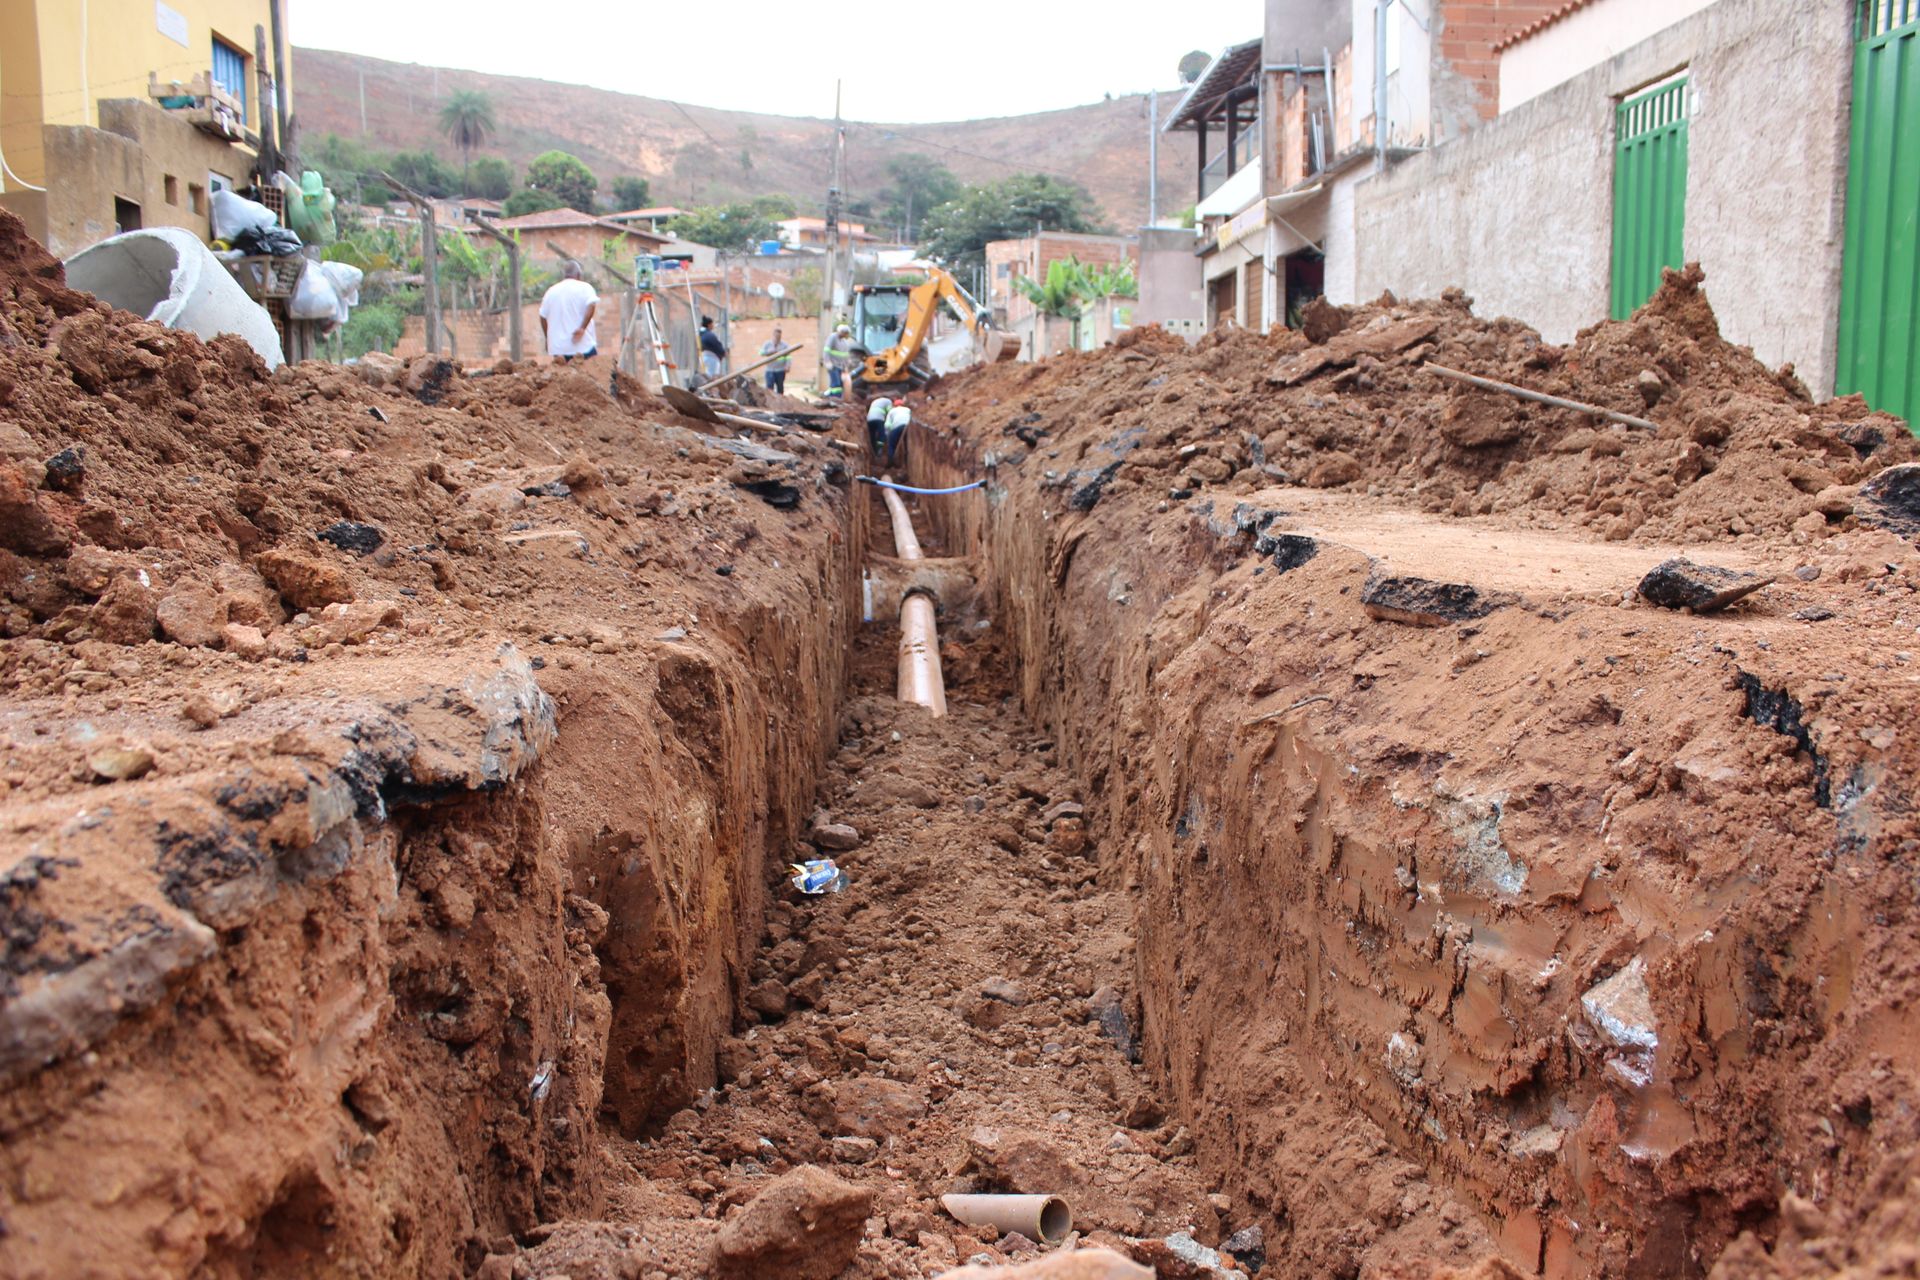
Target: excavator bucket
1000,347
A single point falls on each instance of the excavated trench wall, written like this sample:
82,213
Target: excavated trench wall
1438,936
411,966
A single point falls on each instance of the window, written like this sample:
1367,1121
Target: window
230,72
171,185
126,216
196,197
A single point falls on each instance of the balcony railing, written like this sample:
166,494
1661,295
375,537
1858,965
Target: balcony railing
1245,149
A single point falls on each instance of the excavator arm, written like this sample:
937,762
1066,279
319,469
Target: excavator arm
894,365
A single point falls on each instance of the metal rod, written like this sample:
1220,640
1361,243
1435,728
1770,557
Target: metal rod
741,373
1539,397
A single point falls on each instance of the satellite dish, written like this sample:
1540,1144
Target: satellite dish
776,290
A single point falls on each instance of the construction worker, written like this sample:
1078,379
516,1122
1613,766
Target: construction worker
713,352
897,419
776,369
877,424
566,316
839,359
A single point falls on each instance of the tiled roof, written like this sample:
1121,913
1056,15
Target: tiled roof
555,219
1539,24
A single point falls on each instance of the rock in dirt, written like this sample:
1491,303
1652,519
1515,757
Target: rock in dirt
120,764
125,613
875,1107
1248,1247
891,788
24,525
352,623
1179,1257
1681,584
67,469
192,615
1109,1012
835,837
248,642
1891,500
351,535
848,1149
1080,1264
768,999
806,1225
1422,602
305,581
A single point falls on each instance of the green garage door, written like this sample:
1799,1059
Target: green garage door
1880,286
1649,191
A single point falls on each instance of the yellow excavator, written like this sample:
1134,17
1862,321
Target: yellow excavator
892,328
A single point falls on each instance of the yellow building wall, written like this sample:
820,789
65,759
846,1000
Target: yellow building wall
45,78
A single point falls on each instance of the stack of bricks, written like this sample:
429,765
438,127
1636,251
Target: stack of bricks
1468,30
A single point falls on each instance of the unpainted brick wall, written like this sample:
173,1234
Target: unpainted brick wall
1467,32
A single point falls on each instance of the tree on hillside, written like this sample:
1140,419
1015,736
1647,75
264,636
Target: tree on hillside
916,185
630,192
564,177
740,225
491,178
425,172
959,231
467,120
527,200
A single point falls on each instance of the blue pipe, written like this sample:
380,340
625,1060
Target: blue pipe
907,488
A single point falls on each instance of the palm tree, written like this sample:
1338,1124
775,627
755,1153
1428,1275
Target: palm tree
467,120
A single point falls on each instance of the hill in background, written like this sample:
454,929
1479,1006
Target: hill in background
702,155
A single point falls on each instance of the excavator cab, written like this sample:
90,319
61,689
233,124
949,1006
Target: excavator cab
879,314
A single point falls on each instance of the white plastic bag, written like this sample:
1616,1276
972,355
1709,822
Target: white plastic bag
314,297
234,213
345,278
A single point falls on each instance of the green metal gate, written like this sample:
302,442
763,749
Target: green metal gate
1880,282
1649,191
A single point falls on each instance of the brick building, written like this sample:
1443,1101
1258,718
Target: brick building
553,233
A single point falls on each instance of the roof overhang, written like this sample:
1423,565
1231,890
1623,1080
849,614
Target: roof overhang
1234,67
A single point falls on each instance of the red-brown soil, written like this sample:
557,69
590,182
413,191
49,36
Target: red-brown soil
1596,915
400,774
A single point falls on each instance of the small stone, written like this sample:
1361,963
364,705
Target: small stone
768,999
1219,1202
351,535
192,615
120,764
1652,386
1812,613
247,642
848,1149
352,623
1891,500
1877,736
124,613
1421,602
67,469
805,1225
1248,1247
1004,990
875,1107
1109,1012
1682,584
1807,572
1179,1142
1064,809
836,837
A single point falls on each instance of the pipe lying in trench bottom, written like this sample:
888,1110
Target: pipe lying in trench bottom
920,679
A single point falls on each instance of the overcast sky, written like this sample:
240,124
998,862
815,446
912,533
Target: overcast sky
901,62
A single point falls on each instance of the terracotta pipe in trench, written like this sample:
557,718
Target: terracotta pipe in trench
920,679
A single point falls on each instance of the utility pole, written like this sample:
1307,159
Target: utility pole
831,300
1153,157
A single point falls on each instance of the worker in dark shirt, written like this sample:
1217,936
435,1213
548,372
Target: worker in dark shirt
713,352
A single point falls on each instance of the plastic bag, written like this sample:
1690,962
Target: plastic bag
345,279
309,207
314,297
234,213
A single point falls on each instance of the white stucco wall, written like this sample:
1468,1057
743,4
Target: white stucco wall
1519,212
1583,39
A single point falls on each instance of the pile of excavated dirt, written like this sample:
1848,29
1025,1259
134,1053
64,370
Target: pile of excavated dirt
1452,853
390,765
1743,450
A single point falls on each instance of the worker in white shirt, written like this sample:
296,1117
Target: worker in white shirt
877,424
566,316
897,419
